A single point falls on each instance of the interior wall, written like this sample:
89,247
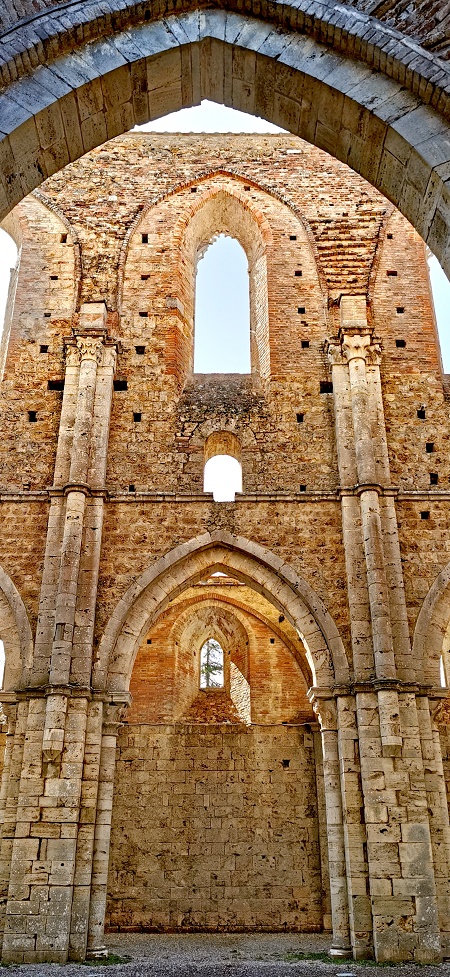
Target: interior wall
215,827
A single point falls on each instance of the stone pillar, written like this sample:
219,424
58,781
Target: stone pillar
325,708
385,726
114,713
434,722
51,861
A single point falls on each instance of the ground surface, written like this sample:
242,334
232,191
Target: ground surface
223,955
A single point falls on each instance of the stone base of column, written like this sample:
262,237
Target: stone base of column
342,952
97,953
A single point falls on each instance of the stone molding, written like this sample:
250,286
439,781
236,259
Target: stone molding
55,30
131,617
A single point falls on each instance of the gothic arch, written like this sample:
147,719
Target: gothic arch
432,627
15,632
389,124
172,574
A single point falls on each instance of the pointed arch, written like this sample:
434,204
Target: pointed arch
432,630
15,632
311,85
259,568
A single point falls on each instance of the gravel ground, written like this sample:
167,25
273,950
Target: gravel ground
221,955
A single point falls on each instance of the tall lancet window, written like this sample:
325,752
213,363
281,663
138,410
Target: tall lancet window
222,309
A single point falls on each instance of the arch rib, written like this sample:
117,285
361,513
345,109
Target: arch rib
171,574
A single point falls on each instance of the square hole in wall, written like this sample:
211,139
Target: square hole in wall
391,273
32,416
326,387
63,238
140,350
302,488
400,343
47,315
301,310
43,348
298,273
429,447
389,237
55,385
144,238
131,488
145,278
285,764
137,416
425,514
292,237
434,478
421,413
305,343
120,385
400,309
53,278
300,418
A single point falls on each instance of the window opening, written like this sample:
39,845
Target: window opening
222,309
211,665
223,477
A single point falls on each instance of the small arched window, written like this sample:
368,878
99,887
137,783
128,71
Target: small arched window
222,309
223,470
211,665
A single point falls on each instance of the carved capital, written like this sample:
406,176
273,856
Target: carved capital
109,357
335,354
355,346
373,355
326,712
72,356
114,717
91,348
440,711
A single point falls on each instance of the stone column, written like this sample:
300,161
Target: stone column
114,714
434,722
327,716
385,726
51,862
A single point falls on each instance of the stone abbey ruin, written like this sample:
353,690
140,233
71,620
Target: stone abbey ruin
308,791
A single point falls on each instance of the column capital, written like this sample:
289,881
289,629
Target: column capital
355,345
90,348
440,711
114,713
325,710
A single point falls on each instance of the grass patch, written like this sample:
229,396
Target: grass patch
292,957
108,961
347,963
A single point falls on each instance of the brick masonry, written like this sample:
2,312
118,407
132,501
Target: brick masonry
334,610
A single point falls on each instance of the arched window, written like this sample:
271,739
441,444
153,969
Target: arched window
211,665
8,260
223,477
222,309
223,471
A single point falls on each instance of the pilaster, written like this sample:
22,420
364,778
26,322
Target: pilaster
53,832
386,726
